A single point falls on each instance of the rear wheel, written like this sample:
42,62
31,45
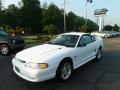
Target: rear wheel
64,71
4,49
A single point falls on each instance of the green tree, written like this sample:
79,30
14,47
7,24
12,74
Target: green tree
80,21
84,28
53,15
51,29
91,26
9,18
71,23
116,27
108,27
77,23
31,15
12,16
0,5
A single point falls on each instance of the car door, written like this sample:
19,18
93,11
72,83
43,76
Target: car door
85,49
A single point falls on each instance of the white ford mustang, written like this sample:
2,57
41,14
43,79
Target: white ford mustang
57,58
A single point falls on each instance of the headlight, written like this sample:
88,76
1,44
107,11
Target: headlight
37,65
13,41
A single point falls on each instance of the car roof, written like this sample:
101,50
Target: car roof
75,33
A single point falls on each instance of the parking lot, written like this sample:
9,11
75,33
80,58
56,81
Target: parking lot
100,75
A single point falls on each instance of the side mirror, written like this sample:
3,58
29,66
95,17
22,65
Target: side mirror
82,44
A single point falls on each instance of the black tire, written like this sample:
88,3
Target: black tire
106,36
99,54
64,71
4,49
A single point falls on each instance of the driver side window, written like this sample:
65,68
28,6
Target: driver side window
86,39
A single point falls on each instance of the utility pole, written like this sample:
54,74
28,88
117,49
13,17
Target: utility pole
64,16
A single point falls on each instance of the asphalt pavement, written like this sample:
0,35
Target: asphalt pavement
100,75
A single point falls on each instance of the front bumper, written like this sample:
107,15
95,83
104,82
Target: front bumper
16,47
32,75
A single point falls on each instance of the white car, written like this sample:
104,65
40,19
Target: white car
114,33
57,58
102,34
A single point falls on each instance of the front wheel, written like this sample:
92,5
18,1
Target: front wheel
64,71
4,49
106,36
99,54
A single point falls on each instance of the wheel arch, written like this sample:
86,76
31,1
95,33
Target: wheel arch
100,47
66,59
4,43
69,59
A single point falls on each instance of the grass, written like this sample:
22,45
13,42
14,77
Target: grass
29,40
39,39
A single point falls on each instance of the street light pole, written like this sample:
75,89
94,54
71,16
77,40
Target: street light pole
90,1
64,16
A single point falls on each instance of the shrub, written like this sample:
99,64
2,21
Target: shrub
42,38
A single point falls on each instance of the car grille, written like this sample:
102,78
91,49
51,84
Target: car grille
19,41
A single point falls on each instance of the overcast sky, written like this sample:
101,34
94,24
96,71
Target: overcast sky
78,7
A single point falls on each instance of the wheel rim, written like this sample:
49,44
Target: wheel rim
4,50
66,71
106,36
99,54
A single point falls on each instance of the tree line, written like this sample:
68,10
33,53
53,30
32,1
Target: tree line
32,17
112,28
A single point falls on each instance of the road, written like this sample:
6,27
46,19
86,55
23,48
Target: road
100,75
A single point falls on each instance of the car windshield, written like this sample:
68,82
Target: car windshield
65,40
2,34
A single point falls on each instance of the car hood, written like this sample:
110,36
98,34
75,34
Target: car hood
36,53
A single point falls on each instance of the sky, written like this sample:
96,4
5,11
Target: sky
78,7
